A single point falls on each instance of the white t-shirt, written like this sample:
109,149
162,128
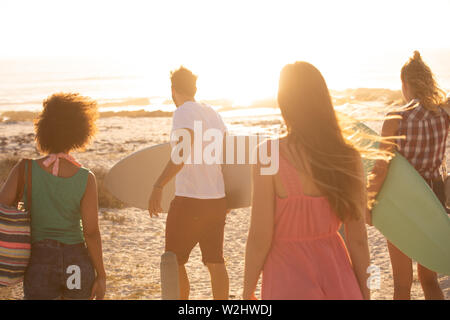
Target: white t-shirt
199,180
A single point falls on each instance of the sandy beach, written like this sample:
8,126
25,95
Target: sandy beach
133,242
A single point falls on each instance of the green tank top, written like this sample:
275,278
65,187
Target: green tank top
55,205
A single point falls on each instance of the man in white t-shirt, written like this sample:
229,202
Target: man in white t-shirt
198,211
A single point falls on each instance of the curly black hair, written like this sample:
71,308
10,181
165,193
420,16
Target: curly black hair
66,123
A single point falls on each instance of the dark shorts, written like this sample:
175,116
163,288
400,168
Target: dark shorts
191,221
58,271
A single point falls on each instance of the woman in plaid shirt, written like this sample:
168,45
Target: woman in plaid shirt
424,125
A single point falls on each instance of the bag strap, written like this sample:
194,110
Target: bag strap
29,184
20,183
25,179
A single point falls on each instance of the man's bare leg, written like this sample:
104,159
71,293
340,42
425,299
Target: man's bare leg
219,280
184,283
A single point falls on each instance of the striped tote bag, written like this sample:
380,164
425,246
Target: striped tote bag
15,233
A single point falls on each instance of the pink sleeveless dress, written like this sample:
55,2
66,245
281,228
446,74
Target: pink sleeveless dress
308,259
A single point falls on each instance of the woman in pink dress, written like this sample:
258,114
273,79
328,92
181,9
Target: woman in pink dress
297,212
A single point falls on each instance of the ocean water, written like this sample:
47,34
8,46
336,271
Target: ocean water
26,82
123,85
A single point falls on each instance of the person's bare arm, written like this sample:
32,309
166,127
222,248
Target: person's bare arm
380,169
357,244
261,230
356,235
8,192
89,217
170,171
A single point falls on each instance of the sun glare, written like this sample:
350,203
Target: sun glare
236,47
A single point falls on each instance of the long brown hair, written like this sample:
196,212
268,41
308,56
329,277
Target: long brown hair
314,132
421,81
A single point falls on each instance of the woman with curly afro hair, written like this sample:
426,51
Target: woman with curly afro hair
66,254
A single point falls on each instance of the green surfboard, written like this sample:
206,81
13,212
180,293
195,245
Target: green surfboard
409,214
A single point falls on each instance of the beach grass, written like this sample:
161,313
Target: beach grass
17,116
105,198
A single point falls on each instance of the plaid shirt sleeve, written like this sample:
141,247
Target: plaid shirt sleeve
425,139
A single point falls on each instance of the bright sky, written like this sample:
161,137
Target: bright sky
234,43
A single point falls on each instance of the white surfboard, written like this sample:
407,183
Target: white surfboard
131,180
